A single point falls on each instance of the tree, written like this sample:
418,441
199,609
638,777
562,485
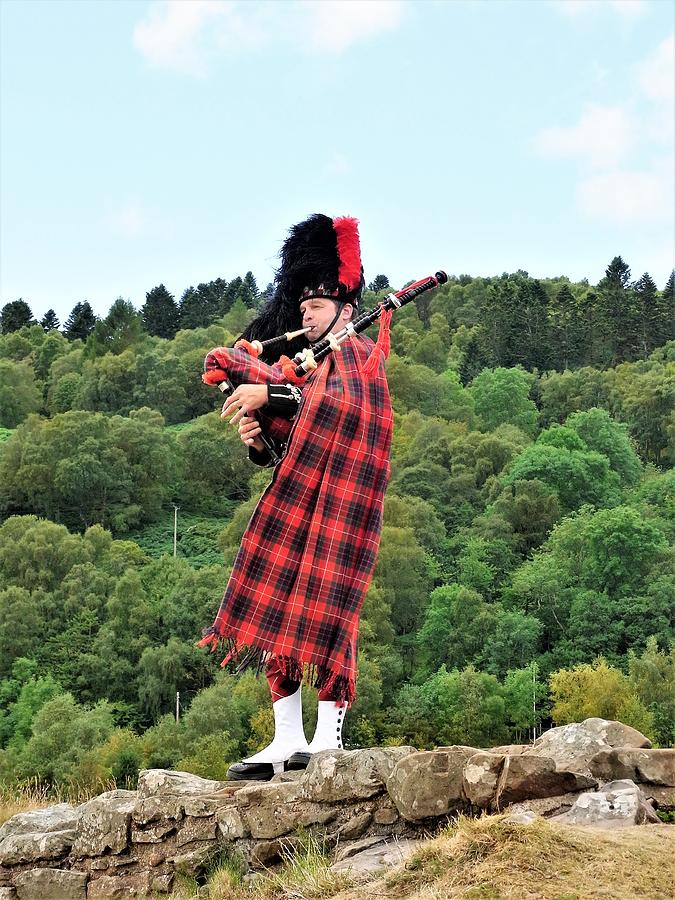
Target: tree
531,509
19,393
597,690
524,696
250,293
457,625
502,395
15,315
618,312
379,283
117,332
564,328
455,707
652,677
215,465
160,313
578,476
600,432
80,323
49,321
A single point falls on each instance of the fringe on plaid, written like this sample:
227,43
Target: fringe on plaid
341,687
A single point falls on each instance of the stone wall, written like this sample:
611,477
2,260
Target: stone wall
133,843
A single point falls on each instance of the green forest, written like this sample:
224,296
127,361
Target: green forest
525,576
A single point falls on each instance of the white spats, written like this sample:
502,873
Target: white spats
328,734
289,734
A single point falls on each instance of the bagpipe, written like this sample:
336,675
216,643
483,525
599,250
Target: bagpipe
305,362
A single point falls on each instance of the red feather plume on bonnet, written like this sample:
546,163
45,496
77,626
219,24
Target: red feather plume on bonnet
349,251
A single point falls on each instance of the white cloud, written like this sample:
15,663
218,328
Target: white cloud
334,25
628,9
603,136
187,35
629,197
132,219
656,75
170,34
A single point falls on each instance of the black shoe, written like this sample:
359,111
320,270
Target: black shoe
243,771
298,761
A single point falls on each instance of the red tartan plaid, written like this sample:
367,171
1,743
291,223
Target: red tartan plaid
308,554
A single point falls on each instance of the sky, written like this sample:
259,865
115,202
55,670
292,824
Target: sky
176,141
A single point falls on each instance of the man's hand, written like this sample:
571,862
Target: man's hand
244,399
249,429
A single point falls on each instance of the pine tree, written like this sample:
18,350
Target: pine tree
499,320
15,315
195,309
379,283
251,293
474,360
530,324
665,304
119,330
80,322
646,295
160,313
618,313
564,329
49,321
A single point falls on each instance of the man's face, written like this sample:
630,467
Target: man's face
317,314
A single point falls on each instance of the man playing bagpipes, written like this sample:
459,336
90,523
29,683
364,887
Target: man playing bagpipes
292,603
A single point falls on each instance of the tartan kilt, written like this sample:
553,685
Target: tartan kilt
308,553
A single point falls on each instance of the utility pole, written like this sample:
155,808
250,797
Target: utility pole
175,529
534,702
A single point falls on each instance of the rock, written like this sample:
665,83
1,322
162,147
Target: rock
51,884
354,827
109,887
345,851
378,857
230,824
511,749
154,809
152,835
40,834
573,746
334,776
640,766
7,893
271,810
529,777
663,797
105,824
193,863
271,821
480,777
25,848
545,806
60,817
618,804
385,815
194,830
161,884
429,783
265,853
165,783
199,807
